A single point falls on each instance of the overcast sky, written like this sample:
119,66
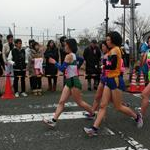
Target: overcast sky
80,14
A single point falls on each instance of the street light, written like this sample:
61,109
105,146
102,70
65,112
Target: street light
69,32
132,7
57,35
14,28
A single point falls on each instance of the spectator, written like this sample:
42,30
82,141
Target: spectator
1,58
62,52
127,53
92,57
1,48
35,58
144,49
28,51
50,69
17,58
6,50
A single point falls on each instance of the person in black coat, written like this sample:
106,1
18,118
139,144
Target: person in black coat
50,69
92,57
17,58
2,66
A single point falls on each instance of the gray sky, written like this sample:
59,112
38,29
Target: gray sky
80,14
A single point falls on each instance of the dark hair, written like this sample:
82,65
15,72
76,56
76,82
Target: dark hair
62,39
31,41
17,41
72,43
94,41
50,41
148,39
115,38
103,42
9,36
1,35
34,44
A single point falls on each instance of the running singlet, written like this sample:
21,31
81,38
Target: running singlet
148,59
72,69
115,73
148,63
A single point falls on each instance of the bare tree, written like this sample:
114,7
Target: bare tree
142,26
85,37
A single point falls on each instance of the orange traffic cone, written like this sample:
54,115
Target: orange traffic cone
8,91
133,85
142,82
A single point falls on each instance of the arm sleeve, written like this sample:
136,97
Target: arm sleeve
61,67
113,63
80,61
85,54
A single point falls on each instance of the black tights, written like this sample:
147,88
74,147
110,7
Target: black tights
36,82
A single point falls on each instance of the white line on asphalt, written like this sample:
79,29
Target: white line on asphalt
137,145
138,95
39,117
69,104
133,143
120,148
109,131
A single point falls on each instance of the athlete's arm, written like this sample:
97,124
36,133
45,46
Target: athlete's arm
113,63
80,61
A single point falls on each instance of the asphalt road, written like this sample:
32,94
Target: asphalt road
21,127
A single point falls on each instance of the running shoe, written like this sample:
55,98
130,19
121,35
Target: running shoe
90,131
17,94
50,123
139,120
24,94
89,116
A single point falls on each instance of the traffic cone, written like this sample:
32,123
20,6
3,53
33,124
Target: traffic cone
8,91
142,82
133,86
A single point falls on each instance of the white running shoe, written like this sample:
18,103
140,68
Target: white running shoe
50,123
90,131
17,94
24,94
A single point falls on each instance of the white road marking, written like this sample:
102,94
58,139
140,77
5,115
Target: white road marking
39,117
139,96
109,131
69,104
133,143
120,148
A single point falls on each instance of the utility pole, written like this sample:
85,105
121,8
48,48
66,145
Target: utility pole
43,38
132,19
64,26
124,24
107,18
14,28
31,33
47,35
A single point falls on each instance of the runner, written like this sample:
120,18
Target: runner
98,95
114,85
73,85
146,91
